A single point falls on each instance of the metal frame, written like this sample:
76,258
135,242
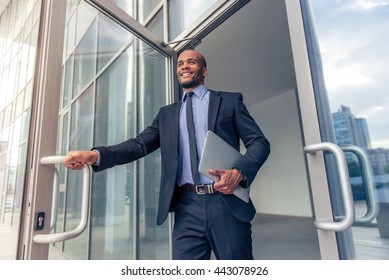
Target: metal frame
47,80
310,123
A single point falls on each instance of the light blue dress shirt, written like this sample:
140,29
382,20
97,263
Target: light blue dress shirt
200,102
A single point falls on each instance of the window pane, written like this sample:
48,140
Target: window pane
126,5
182,13
113,209
153,242
85,52
130,87
146,7
80,139
156,25
111,40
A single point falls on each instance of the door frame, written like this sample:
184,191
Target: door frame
310,122
39,178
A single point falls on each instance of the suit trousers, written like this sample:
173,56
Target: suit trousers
204,223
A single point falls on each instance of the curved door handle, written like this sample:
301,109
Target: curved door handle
62,236
345,188
54,207
363,158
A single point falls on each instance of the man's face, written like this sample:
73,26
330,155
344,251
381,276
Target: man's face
190,71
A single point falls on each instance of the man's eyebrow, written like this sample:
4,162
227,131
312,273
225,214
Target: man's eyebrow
189,59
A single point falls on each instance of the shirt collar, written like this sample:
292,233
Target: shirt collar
200,92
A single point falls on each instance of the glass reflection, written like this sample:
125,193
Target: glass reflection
19,25
183,13
352,40
126,86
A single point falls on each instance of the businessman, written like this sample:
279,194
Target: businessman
207,216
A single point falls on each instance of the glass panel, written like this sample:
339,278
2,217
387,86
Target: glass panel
20,172
111,211
111,40
183,13
146,7
18,39
67,81
126,5
85,59
130,87
156,25
153,239
351,73
10,185
81,131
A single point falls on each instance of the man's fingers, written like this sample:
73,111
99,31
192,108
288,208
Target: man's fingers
76,160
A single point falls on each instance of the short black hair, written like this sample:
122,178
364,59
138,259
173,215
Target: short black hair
203,61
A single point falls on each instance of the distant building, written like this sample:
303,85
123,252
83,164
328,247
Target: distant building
351,130
379,160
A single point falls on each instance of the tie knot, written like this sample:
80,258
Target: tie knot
189,94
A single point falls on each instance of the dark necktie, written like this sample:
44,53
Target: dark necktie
192,138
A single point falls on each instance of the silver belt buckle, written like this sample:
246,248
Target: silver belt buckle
198,191
209,186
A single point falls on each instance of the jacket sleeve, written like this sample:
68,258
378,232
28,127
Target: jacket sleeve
130,150
257,145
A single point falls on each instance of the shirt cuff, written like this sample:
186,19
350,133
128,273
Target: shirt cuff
243,182
97,163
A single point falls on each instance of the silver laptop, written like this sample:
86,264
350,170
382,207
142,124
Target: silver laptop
218,154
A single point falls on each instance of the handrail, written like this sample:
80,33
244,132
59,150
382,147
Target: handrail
345,188
363,158
62,236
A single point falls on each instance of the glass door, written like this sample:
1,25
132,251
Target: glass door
351,42
114,78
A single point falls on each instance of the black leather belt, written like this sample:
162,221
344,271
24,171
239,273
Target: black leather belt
199,189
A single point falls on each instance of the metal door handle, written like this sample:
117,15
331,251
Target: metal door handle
54,207
345,188
363,158
62,236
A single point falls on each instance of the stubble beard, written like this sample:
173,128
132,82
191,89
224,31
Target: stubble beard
194,82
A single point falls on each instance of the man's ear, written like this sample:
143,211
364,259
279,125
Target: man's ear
205,71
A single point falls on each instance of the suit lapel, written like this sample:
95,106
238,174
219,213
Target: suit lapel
175,124
213,110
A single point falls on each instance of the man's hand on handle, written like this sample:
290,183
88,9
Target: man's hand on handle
76,160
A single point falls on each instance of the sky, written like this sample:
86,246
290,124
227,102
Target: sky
353,38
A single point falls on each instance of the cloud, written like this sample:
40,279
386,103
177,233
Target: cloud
346,76
353,41
367,5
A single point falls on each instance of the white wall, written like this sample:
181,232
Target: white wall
281,185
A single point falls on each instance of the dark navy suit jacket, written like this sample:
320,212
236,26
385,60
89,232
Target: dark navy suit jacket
227,117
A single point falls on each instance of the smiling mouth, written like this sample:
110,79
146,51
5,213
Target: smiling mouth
186,74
